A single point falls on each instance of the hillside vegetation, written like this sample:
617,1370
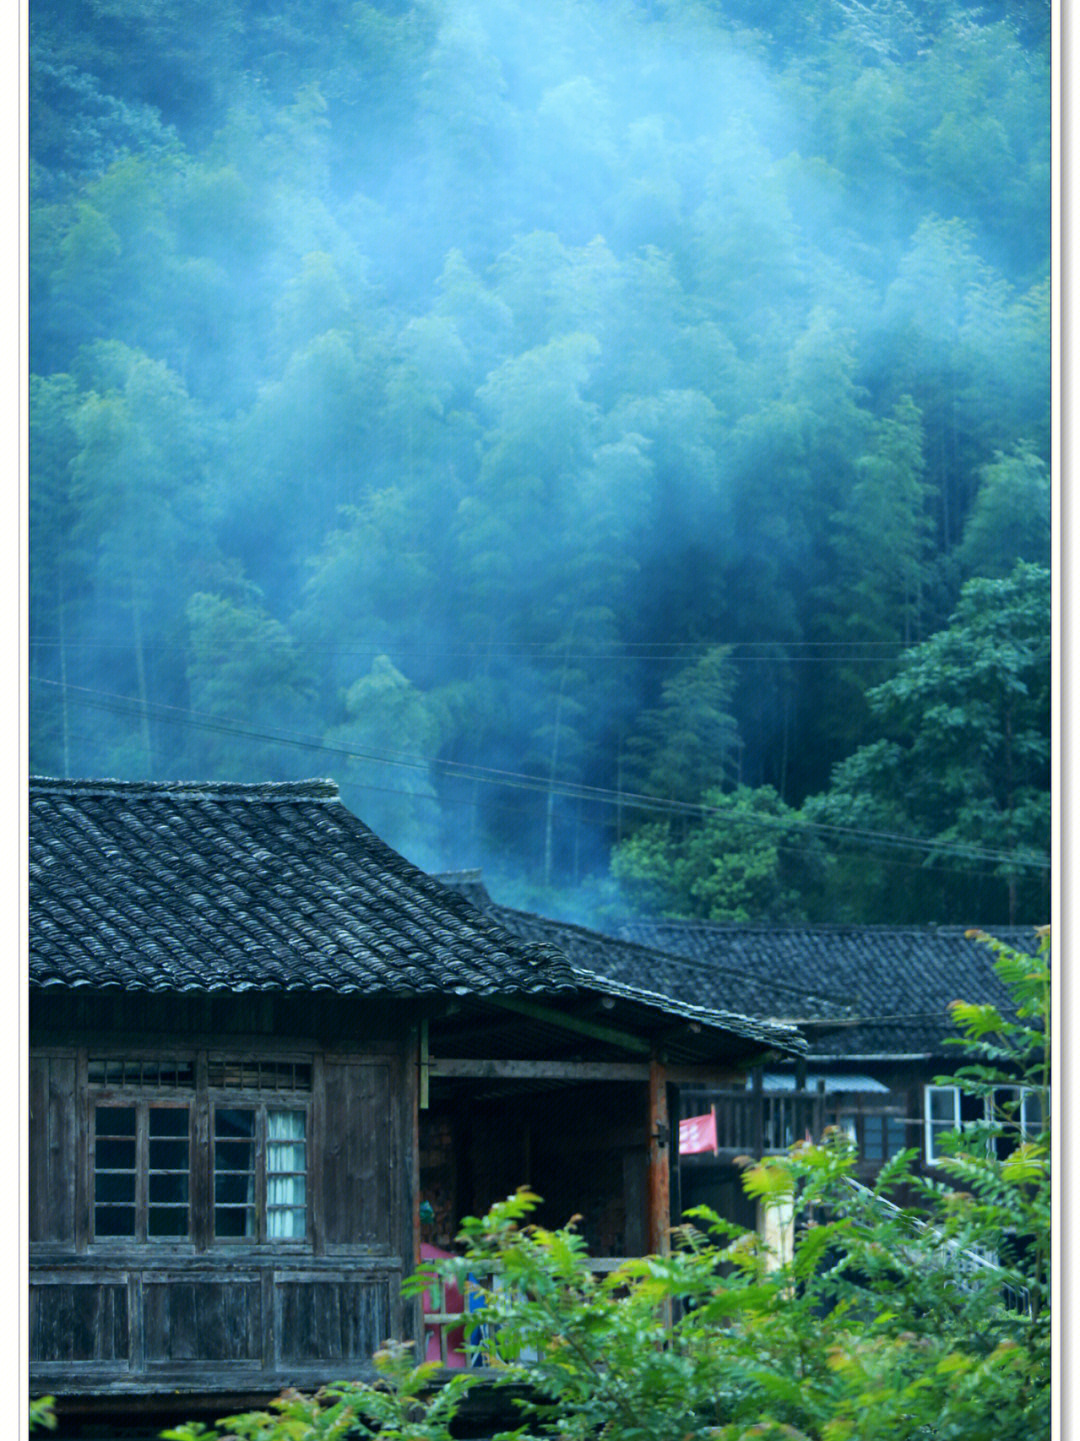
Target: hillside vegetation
602,436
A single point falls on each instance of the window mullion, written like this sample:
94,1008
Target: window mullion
260,1173
142,1169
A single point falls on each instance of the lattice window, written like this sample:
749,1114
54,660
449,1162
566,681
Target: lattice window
142,1171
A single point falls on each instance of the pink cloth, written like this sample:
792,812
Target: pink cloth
697,1133
453,1301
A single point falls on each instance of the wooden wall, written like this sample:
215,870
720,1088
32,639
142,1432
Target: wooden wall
120,1317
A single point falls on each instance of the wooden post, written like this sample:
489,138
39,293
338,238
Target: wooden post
425,1065
659,1167
411,1311
757,1116
819,1109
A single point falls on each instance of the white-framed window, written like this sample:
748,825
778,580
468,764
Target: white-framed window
1015,1109
942,1114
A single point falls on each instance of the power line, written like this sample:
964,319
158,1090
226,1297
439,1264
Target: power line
488,775
855,652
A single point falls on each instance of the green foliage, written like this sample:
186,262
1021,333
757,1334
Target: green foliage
746,859
690,743
42,1413
1010,519
400,1406
965,756
536,348
861,1322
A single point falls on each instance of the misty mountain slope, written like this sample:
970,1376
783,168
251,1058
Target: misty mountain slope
555,422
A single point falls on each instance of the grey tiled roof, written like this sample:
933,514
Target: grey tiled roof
626,962
898,981
211,887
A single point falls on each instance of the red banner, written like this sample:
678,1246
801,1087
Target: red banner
697,1133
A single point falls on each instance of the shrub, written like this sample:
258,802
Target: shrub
929,1323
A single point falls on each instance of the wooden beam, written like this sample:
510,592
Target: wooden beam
695,1075
552,1017
425,1064
659,1165
532,1070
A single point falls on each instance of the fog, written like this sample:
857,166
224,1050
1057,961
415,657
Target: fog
420,389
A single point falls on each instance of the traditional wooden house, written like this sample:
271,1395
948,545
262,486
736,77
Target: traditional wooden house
260,1040
872,1000
875,1070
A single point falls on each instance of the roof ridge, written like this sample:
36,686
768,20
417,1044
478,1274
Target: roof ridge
315,789
825,928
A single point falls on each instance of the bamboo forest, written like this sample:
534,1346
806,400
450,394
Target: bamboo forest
610,438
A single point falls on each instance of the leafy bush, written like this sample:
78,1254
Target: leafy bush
42,1413
869,1320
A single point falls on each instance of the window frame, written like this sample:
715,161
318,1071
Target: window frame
260,1172
141,1203
276,1081
1016,1129
933,1126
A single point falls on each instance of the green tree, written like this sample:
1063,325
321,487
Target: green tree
58,578
690,742
137,482
391,734
247,679
882,536
962,762
745,858
1010,519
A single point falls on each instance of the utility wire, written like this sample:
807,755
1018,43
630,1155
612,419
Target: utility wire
131,705
861,652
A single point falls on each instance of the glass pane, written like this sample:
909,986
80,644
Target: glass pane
229,1224
895,1135
943,1106
286,1166
168,1172
168,1188
114,1155
114,1186
872,1139
168,1155
168,1121
234,1172
233,1124
114,1120
114,1220
234,1158
114,1170
232,1188
167,1221
286,1224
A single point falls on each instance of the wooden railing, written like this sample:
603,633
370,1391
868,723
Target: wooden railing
452,1317
756,1122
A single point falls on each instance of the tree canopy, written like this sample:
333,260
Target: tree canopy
541,358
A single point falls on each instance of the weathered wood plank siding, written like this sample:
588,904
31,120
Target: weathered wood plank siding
80,1321
203,1320
53,1159
337,1319
124,1315
359,1141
